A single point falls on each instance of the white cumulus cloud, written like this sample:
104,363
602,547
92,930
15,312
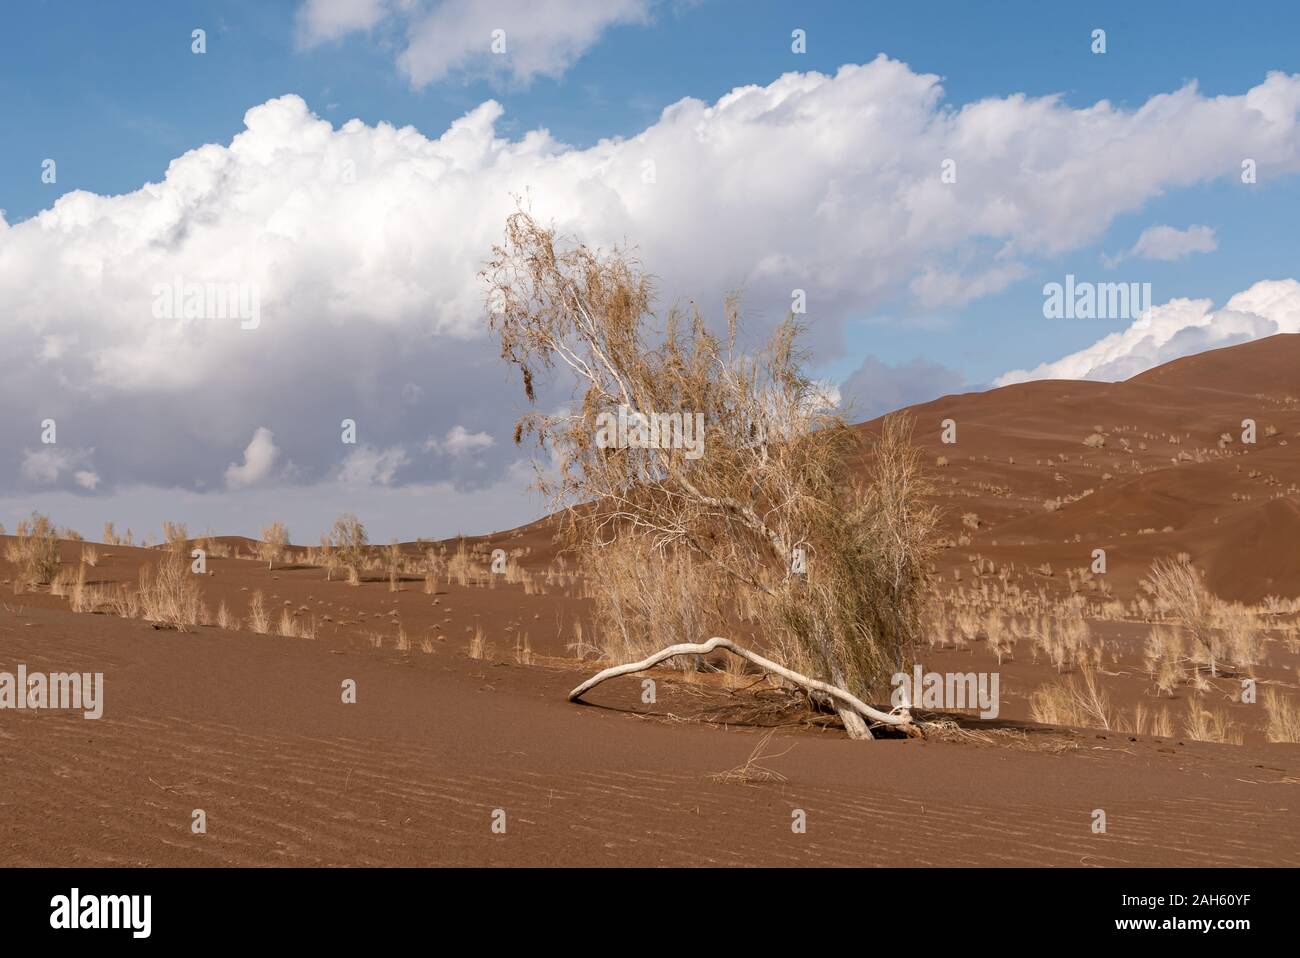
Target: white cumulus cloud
459,441
1180,327
1168,243
323,20
45,466
521,39
364,243
259,459
368,466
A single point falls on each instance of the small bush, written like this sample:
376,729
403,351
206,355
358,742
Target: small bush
275,537
1283,717
350,544
169,594
35,550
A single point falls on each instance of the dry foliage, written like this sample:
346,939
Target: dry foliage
258,620
752,772
169,594
349,545
1210,725
1179,591
478,643
777,471
34,550
1283,717
177,536
275,538
1078,703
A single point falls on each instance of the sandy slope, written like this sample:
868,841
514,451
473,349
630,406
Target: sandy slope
252,730
1007,462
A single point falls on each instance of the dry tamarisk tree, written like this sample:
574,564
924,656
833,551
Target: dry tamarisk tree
764,515
275,540
349,545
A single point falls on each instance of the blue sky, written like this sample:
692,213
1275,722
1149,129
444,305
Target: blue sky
114,94
116,98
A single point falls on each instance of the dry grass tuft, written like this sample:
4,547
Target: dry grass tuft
169,595
177,536
1283,717
1080,704
478,643
1210,725
224,619
258,621
751,772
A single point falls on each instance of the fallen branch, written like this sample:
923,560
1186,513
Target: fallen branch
855,706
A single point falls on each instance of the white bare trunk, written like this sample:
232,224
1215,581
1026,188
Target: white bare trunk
852,710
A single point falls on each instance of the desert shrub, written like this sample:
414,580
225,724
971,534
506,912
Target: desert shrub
169,594
275,538
34,550
1240,638
350,545
1063,637
224,619
460,566
1081,703
434,566
327,556
1210,725
1179,591
1165,657
394,561
1283,717
478,643
85,597
767,491
258,621
646,601
177,536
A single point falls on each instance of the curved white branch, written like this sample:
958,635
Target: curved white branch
901,717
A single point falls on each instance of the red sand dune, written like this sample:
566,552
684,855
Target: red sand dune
1151,505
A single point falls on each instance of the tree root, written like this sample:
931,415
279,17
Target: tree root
853,711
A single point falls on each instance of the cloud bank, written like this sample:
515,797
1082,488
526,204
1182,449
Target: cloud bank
361,247
1180,327
518,39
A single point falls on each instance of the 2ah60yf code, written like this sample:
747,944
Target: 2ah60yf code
1196,900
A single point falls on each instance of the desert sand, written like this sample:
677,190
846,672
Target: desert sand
252,728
